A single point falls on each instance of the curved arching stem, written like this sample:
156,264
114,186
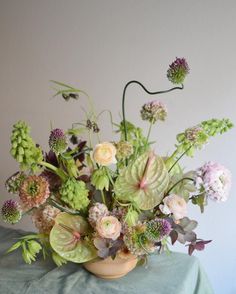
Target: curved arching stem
147,91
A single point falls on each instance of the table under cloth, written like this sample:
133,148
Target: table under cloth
174,273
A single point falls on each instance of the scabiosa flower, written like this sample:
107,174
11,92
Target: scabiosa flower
34,191
97,211
11,211
157,229
153,111
192,134
124,150
43,218
14,182
215,180
57,141
177,71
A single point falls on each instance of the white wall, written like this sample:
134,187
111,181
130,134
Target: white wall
99,46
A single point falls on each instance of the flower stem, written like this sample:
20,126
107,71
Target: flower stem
178,182
147,91
56,170
103,197
179,157
149,131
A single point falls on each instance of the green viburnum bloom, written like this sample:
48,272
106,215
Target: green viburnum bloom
24,149
100,179
75,194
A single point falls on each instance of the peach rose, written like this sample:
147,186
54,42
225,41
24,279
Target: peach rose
104,154
174,204
108,227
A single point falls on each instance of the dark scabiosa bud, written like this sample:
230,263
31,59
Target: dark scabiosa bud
11,212
57,141
177,71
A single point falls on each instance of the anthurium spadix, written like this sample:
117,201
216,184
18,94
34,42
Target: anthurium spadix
144,181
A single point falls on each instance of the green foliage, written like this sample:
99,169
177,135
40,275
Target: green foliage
69,238
131,217
196,137
30,247
135,137
23,148
59,261
75,194
144,181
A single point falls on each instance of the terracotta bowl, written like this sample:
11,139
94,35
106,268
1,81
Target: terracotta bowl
111,269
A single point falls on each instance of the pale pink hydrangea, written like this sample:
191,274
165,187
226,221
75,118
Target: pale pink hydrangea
215,179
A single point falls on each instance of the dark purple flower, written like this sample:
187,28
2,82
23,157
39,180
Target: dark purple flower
177,71
57,141
11,212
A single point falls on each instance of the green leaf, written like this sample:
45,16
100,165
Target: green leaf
67,238
14,247
59,261
144,181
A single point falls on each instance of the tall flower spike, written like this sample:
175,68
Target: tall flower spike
11,212
24,149
57,141
177,71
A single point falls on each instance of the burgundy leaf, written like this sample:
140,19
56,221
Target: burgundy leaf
173,236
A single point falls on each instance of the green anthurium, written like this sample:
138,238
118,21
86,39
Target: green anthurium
144,181
69,238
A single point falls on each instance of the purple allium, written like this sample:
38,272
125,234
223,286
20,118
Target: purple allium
177,71
57,141
215,180
157,229
153,111
11,212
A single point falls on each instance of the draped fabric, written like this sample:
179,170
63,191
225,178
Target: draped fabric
173,273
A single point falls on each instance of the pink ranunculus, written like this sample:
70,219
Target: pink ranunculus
174,204
108,227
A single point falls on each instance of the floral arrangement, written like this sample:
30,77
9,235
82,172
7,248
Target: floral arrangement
116,198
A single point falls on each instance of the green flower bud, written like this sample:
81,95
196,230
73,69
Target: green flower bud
100,180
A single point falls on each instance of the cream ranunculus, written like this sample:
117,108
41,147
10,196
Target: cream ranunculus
104,154
108,227
174,204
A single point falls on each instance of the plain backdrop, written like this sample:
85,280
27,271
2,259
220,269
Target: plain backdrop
98,46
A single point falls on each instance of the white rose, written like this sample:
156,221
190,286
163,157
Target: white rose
176,205
104,154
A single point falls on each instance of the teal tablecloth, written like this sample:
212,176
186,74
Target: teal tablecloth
166,274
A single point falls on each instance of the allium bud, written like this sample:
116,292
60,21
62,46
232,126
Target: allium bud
57,141
11,212
177,71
